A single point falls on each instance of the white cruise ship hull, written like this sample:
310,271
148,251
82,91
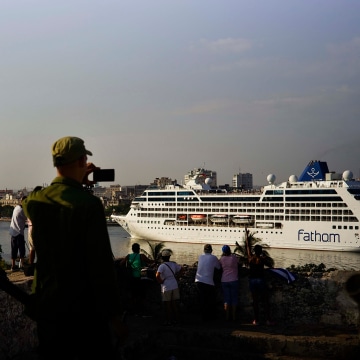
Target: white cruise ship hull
303,236
314,215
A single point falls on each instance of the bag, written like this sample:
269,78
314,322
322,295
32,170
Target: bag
176,276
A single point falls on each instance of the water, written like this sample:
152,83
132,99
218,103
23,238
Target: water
188,253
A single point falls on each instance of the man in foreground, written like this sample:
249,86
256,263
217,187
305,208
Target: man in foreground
77,303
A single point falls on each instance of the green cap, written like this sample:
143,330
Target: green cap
68,149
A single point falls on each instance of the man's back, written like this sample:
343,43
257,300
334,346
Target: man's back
18,219
72,244
77,295
206,265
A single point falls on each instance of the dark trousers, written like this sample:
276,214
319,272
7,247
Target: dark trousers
207,301
17,246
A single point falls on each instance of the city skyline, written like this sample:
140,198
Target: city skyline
185,178
158,88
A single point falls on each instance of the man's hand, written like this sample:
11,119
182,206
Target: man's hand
90,168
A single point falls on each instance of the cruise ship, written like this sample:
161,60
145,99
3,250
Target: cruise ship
320,210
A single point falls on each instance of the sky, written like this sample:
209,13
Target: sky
158,88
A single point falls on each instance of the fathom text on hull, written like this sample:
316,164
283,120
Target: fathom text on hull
318,211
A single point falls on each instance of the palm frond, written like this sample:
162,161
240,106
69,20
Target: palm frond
148,254
155,250
241,248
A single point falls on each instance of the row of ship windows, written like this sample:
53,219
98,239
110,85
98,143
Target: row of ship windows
275,217
316,191
200,228
244,199
253,205
322,218
164,212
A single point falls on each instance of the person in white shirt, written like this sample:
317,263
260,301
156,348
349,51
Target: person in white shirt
166,276
204,280
17,227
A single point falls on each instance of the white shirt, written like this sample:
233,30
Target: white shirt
170,282
206,266
18,221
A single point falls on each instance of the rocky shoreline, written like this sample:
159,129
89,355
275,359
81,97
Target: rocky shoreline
315,318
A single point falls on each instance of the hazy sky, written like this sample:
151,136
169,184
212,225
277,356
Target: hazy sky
160,87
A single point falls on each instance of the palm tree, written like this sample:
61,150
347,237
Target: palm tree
155,251
241,249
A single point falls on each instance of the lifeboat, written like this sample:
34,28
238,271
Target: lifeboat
198,217
265,225
219,218
182,217
241,219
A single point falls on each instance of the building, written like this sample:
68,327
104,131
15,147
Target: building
116,194
242,181
10,197
162,182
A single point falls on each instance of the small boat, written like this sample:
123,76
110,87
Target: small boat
241,219
182,217
198,217
219,218
264,225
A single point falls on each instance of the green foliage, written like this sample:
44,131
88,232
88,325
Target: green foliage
6,211
308,269
155,251
241,248
3,264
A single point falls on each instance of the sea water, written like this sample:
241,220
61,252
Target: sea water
188,253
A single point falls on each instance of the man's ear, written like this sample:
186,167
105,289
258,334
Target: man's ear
83,161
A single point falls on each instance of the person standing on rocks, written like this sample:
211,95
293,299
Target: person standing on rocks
137,287
17,229
166,276
204,280
257,284
77,301
229,282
